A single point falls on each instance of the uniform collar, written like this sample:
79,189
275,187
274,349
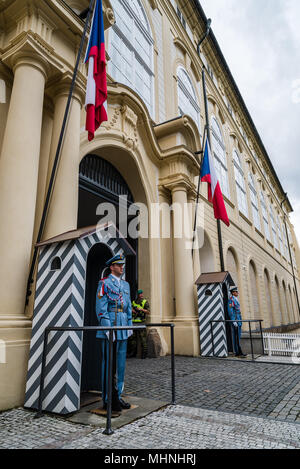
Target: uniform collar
115,279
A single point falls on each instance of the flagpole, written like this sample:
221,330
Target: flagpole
207,127
198,190
57,154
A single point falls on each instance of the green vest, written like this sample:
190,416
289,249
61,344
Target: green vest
139,317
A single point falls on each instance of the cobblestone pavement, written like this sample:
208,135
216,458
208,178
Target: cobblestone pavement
177,427
261,389
220,404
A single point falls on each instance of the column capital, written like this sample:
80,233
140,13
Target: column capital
61,88
31,59
181,184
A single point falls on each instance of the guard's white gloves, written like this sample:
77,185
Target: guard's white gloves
235,324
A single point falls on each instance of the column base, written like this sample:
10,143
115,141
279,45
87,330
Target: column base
186,337
15,338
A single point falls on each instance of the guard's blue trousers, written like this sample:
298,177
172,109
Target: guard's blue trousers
236,338
118,369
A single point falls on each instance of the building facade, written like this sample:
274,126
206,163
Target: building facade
148,151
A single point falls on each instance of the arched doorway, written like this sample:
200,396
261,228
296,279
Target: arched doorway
207,259
254,291
91,352
101,183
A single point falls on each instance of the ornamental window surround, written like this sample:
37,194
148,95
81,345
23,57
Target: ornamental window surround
240,184
279,231
265,216
187,99
254,202
220,159
131,50
274,228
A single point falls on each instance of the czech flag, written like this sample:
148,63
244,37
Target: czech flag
209,175
96,91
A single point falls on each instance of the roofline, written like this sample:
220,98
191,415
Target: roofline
236,89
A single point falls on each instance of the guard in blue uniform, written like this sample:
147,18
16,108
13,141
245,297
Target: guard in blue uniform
234,311
113,308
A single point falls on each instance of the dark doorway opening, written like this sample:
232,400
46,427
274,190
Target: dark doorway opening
91,353
100,182
227,318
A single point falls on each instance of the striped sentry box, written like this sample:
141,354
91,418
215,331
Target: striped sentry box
59,302
211,308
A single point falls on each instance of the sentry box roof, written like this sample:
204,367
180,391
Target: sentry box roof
215,277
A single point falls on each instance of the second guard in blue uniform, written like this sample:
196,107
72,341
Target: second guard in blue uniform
113,308
234,311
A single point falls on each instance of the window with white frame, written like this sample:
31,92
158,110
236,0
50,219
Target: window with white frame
131,50
220,159
265,216
254,202
187,100
274,228
279,231
240,184
286,248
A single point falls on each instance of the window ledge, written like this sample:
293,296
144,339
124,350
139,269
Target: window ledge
270,244
245,218
228,201
259,232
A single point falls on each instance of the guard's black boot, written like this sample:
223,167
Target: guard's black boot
115,406
123,404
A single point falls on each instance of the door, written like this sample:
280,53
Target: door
91,354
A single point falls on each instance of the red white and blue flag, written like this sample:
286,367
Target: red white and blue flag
96,91
209,175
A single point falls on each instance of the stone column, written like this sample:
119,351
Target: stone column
196,257
62,215
183,265
186,330
19,163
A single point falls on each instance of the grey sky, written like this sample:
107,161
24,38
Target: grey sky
260,40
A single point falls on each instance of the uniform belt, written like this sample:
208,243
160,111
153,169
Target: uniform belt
119,310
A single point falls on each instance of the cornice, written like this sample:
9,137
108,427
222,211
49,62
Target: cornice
184,125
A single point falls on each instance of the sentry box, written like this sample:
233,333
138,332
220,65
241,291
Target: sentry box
69,268
213,294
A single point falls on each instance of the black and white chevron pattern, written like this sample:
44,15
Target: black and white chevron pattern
59,301
212,308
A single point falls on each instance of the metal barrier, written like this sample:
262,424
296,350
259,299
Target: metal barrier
108,430
250,332
285,345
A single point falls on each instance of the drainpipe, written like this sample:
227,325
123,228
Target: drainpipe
290,252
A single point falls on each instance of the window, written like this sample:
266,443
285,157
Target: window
219,152
56,264
131,49
187,100
279,231
210,71
240,184
265,217
180,16
274,228
254,202
286,249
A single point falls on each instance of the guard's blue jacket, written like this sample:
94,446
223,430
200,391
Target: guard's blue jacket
111,296
234,310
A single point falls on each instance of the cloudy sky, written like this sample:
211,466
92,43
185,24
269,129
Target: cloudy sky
260,40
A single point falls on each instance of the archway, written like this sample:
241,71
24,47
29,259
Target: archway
254,291
100,183
207,258
91,352
268,296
